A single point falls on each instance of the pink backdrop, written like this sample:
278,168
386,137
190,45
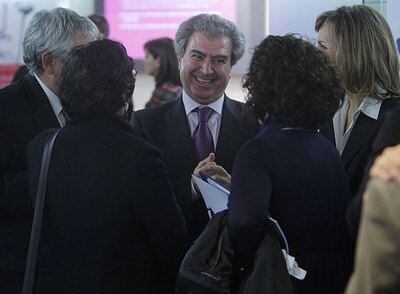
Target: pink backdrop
7,72
133,22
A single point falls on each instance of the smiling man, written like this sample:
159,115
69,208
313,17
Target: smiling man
205,67
204,129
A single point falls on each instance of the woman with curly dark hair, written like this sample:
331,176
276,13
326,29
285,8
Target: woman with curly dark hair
161,62
289,170
112,224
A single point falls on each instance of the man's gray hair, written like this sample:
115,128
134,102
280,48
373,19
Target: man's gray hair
53,31
212,26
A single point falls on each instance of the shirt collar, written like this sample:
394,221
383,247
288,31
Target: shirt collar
53,99
190,104
370,107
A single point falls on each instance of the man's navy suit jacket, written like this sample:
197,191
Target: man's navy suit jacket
166,127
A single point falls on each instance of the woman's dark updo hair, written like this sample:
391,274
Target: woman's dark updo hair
97,79
291,82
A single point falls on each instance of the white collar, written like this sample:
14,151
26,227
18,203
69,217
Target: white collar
53,99
370,107
190,104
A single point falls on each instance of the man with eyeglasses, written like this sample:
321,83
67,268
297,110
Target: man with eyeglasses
27,107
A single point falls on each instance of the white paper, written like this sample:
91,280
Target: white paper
215,199
293,268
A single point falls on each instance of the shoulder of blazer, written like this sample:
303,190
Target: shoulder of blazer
366,130
235,107
152,115
387,105
388,134
247,121
26,92
11,94
34,90
150,120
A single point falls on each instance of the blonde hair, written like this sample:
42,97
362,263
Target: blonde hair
366,55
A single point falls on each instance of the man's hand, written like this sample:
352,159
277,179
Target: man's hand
387,166
215,171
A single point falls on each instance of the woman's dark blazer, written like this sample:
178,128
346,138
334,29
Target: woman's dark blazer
111,221
358,149
388,135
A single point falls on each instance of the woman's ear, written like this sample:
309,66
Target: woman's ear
157,61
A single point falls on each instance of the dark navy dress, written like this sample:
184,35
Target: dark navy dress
297,176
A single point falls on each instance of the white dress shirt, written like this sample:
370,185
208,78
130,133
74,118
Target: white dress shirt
369,106
214,122
54,102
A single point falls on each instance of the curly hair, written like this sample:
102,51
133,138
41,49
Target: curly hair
291,82
97,79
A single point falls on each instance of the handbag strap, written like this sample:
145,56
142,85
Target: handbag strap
38,214
279,233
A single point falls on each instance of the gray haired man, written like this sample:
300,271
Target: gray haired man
28,107
204,129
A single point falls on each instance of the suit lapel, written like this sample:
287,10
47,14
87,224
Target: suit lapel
230,137
180,144
363,126
43,114
177,135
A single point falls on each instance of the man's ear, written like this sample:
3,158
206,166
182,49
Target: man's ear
48,62
180,57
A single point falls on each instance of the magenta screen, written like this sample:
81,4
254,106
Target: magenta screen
134,22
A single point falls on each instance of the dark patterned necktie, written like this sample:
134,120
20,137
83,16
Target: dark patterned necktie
202,135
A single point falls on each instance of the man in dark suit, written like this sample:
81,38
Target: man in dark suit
204,129
28,107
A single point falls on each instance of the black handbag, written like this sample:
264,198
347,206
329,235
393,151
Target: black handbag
30,268
208,268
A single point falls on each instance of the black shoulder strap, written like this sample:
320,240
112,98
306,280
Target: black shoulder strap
38,214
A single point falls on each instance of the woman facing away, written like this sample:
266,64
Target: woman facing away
290,170
358,41
161,63
111,221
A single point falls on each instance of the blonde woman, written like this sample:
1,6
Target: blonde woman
358,40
